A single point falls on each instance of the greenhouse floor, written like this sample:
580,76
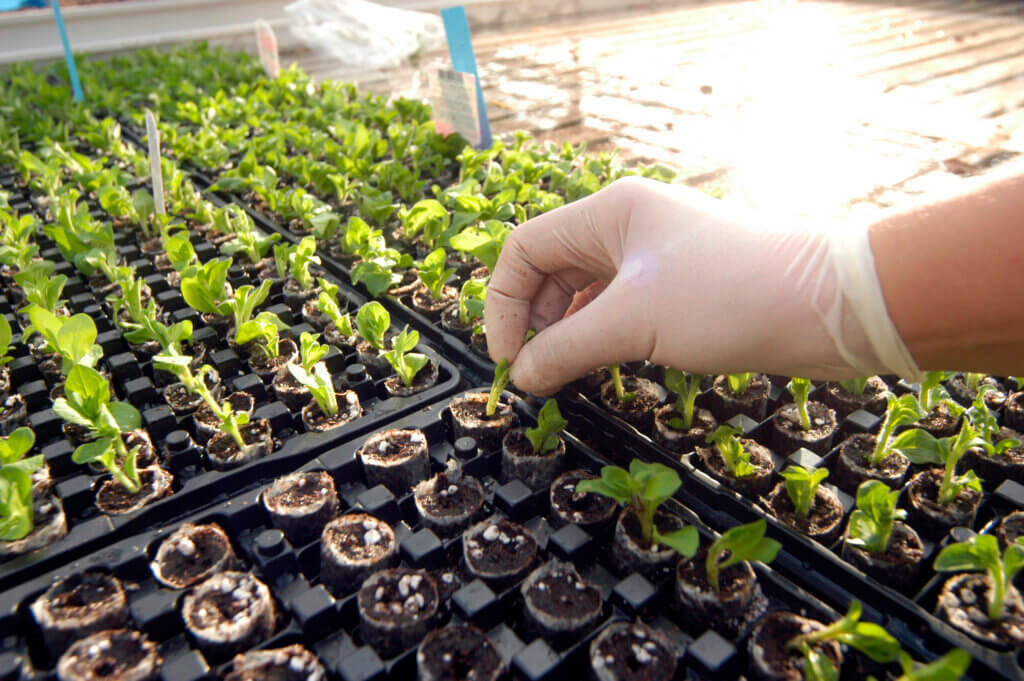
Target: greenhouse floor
802,107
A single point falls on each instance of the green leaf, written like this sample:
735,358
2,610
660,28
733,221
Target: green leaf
502,371
544,438
685,542
739,544
819,667
126,416
920,446
373,321
16,445
98,450
950,667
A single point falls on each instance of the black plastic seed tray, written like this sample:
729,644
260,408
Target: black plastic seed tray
817,565
329,625
134,379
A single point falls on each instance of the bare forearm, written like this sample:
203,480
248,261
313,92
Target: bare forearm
953,277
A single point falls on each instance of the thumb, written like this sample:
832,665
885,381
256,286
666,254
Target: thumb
604,331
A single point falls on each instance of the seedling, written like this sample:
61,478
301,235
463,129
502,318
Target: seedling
871,524
624,398
980,553
6,335
802,486
73,338
687,387
16,517
377,271
921,447
231,422
502,376
244,302
87,403
950,667
800,389
738,383
737,545
434,274
426,219
855,386
550,423
485,241
299,260
310,350
40,286
319,383
250,243
180,252
865,637
987,424
734,454
644,488
373,321
264,331
900,411
471,301
405,362
205,287
327,301
932,392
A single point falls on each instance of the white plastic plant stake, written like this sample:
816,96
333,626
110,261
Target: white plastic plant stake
453,97
266,43
153,136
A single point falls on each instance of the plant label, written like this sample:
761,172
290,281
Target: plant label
460,48
153,137
453,96
266,43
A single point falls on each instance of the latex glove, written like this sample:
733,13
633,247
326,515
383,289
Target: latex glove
690,282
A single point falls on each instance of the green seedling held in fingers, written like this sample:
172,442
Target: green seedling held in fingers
643,489
544,438
737,545
687,387
981,554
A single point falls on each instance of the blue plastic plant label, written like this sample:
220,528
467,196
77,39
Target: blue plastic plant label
460,47
453,96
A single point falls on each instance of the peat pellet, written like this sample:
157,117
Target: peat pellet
558,602
301,504
1011,528
682,441
111,655
753,485
638,412
229,612
632,553
963,602
845,403
631,651
520,462
899,566
397,607
458,652
788,434
291,663
824,521
349,409
852,466
397,459
191,554
498,550
928,516
424,379
448,502
586,509
771,659
738,601
353,546
50,524
470,419
753,402
78,606
207,424
225,454
113,499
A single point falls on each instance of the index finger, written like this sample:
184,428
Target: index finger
580,236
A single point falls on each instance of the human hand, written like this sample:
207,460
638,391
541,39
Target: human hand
669,274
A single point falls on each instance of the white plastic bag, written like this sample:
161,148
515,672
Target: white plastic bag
361,33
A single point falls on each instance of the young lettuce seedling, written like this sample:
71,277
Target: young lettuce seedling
484,241
932,392
231,422
377,270
73,338
621,395
738,383
434,274
244,302
921,447
180,253
471,301
319,383
204,287
327,301
373,321
802,485
644,488
502,371
981,554
265,330
900,411
737,545
16,518
950,667
687,386
311,350
401,357
735,456
855,386
299,260
87,403
550,423
800,389
6,336
871,524
866,637
251,244
40,286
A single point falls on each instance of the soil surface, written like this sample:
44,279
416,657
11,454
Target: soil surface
113,499
192,553
349,410
391,446
304,490
239,401
451,497
456,653
730,580
904,549
771,639
823,422
109,655
501,547
632,652
291,663
562,594
398,597
579,507
225,450
823,517
360,538
963,602
924,489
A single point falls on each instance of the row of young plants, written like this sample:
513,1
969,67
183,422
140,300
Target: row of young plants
387,562
152,317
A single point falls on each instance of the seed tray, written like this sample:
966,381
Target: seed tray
329,626
806,560
133,377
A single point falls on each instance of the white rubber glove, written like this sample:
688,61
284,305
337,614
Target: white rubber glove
690,282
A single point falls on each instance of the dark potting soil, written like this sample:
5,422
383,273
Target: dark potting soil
703,422
450,498
499,546
924,488
904,550
730,580
846,403
109,655
309,489
823,422
579,507
1013,411
394,445
359,541
239,401
112,498
631,652
826,511
458,652
215,609
78,598
640,407
226,449
398,596
262,364
860,447
291,663
940,421
186,561
424,302
563,594
772,637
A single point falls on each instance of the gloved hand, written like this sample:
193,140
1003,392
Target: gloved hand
690,282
